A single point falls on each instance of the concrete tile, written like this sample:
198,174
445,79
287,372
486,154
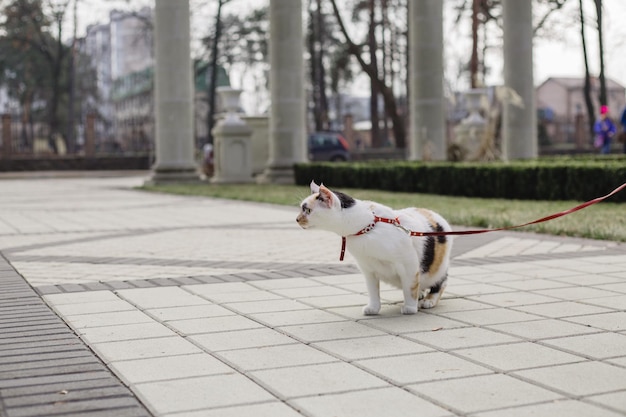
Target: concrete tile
563,309
619,361
420,322
211,289
517,356
171,367
597,346
241,339
615,400
422,367
486,392
511,299
371,347
457,304
330,331
108,319
336,300
213,324
355,312
124,332
588,279
616,302
317,291
370,403
531,284
160,297
542,329
192,394
450,339
275,357
619,287
275,284
615,322
559,408
316,380
240,296
575,293
145,348
490,316
339,279
272,409
287,318
80,297
587,378
92,308
267,306
189,312
474,289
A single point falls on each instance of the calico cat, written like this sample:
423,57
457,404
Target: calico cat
377,237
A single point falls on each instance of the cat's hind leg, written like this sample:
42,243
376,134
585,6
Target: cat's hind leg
410,290
373,290
435,292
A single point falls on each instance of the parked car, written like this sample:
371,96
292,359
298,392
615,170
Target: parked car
328,146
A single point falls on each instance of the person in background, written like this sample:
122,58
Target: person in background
604,128
622,136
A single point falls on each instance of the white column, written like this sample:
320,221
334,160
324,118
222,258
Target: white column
519,123
287,125
427,104
173,96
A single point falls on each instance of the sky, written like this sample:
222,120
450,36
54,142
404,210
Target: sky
558,55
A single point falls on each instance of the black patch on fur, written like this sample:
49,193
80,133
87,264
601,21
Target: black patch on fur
437,287
346,200
440,239
429,254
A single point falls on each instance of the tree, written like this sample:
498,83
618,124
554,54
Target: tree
587,87
379,84
32,42
212,84
603,96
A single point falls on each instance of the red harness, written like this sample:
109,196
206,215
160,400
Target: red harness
396,222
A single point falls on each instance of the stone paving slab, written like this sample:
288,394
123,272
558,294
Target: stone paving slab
190,315
44,368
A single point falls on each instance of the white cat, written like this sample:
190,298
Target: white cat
377,237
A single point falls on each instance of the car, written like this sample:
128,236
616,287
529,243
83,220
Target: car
328,146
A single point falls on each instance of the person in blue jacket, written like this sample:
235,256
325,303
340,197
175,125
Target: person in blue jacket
604,128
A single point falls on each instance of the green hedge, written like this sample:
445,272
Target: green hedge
544,179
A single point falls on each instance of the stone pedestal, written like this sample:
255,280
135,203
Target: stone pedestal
471,133
259,142
232,154
231,146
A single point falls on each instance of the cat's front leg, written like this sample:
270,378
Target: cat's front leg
373,290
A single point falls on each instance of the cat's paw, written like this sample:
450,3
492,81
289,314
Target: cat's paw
405,309
371,310
427,303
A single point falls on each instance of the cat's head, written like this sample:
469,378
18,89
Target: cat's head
322,207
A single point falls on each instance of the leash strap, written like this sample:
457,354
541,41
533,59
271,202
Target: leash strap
396,222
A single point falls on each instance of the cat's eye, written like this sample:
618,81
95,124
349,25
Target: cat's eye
306,210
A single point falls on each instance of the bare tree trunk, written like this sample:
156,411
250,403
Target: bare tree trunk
371,41
213,72
474,58
603,95
587,88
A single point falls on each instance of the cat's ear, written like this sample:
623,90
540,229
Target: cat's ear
325,196
314,187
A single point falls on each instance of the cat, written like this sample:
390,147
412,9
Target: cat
384,251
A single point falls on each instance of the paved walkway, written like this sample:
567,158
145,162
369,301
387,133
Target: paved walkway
204,307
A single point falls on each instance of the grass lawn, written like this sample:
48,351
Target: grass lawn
606,221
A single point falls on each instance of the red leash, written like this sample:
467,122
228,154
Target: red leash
396,222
